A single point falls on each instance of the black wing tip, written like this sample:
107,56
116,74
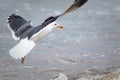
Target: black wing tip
11,16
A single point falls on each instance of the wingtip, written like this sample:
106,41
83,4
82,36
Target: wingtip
10,17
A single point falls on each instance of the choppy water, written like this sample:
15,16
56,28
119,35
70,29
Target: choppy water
89,43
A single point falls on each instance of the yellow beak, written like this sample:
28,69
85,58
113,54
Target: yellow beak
60,26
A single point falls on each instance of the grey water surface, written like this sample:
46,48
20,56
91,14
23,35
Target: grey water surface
88,44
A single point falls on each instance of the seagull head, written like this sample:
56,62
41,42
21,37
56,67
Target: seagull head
50,21
55,25
58,25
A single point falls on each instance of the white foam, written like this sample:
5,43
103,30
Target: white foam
22,48
61,76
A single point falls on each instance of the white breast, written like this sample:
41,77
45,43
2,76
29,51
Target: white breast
42,33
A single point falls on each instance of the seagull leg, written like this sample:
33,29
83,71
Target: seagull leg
22,60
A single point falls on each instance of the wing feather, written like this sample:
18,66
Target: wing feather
18,25
15,22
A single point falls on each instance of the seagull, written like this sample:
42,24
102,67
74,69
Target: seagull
27,34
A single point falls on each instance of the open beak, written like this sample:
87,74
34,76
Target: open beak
60,26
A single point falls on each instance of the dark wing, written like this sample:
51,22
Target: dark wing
15,22
18,25
74,6
32,31
22,29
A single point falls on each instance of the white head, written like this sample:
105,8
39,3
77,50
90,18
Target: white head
55,25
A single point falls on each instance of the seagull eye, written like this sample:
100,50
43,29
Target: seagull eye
55,24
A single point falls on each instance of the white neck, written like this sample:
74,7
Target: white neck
45,31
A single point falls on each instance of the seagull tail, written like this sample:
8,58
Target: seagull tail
22,48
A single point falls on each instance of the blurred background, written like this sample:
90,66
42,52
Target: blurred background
88,44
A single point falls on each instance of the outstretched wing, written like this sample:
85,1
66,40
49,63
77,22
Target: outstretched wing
15,22
74,6
18,25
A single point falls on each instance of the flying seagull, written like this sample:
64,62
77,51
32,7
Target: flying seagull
28,35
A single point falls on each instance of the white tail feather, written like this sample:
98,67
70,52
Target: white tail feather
22,48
